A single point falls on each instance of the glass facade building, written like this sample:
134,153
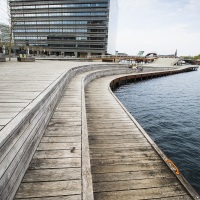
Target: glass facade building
77,28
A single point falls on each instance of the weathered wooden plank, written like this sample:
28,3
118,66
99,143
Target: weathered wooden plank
120,145
127,161
129,150
12,105
56,163
61,132
63,123
69,108
49,189
126,168
54,146
182,197
52,175
58,154
8,115
149,193
107,139
75,139
131,175
134,184
3,122
12,110
122,155
68,129
74,197
97,132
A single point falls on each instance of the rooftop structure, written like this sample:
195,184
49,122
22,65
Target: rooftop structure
77,28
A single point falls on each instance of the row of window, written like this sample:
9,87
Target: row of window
60,30
68,45
61,22
78,46
62,6
61,14
56,38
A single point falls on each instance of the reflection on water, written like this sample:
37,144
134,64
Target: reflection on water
168,108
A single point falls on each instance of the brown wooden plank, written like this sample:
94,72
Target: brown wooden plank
116,138
126,161
45,175
74,197
56,163
182,197
126,168
61,139
59,146
126,145
58,154
61,132
150,193
134,184
137,155
49,189
63,123
130,175
126,150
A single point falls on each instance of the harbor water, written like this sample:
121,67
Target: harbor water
168,108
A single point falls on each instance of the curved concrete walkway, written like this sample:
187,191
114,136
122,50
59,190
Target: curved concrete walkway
164,62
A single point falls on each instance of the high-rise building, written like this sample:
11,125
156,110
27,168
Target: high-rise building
4,37
77,28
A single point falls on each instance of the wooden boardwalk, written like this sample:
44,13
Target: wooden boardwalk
124,164
20,84
55,170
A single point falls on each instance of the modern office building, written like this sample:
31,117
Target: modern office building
4,33
77,28
4,38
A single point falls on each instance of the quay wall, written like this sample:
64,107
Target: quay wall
149,74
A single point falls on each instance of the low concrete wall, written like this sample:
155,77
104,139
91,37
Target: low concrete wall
20,138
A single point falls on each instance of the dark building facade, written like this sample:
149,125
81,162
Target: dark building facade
77,28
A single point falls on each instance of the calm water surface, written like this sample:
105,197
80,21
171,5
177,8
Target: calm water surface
168,108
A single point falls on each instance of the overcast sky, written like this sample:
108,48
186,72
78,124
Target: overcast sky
160,26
